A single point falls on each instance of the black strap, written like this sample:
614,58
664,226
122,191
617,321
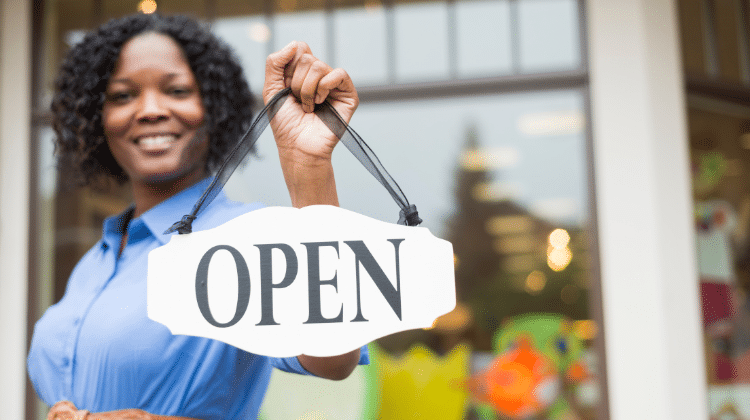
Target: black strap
407,215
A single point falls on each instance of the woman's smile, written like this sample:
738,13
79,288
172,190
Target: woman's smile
155,143
153,116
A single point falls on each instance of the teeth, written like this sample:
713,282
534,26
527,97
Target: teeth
156,140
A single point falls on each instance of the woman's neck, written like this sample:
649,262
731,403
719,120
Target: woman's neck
148,194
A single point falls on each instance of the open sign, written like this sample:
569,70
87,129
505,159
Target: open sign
282,281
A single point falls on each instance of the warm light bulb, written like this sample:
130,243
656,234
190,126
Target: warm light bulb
559,238
147,6
559,258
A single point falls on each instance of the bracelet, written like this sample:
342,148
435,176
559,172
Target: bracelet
81,415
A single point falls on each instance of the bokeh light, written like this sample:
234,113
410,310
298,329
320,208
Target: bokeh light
552,123
489,159
147,6
515,244
535,282
585,329
259,32
559,258
559,254
559,238
501,225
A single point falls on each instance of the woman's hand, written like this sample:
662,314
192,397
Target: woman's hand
305,143
65,410
331,367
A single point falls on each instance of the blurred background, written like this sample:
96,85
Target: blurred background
497,119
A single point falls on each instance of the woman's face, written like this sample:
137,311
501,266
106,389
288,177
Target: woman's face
153,113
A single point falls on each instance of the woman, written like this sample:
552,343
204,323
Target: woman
157,102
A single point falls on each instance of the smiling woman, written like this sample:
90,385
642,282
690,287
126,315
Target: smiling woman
157,102
86,85
153,118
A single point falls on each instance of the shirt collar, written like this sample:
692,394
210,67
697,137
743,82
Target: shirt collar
160,217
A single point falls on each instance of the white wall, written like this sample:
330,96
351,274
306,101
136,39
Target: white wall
15,77
655,363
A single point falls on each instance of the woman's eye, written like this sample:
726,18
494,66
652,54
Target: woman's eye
178,91
118,97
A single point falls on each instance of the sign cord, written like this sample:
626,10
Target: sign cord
354,143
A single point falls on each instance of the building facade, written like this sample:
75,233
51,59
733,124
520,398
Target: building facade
585,158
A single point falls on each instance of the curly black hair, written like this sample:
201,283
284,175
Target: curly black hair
84,74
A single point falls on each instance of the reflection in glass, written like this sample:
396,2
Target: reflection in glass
483,37
421,37
46,193
719,158
502,177
249,37
512,200
549,35
361,44
309,27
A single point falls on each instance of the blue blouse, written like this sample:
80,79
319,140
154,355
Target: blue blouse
98,349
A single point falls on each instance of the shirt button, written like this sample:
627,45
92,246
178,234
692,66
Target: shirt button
65,361
76,321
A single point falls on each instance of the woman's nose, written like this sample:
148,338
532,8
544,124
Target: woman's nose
152,107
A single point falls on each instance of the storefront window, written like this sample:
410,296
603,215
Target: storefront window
503,176
715,42
720,156
549,35
504,181
364,58
308,26
421,54
484,47
250,37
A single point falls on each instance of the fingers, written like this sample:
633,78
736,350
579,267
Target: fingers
313,81
305,83
276,69
300,58
310,79
340,81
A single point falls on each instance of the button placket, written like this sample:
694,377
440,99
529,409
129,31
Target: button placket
92,296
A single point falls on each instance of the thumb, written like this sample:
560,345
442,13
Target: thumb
275,66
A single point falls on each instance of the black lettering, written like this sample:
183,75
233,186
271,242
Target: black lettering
243,286
314,282
392,294
266,280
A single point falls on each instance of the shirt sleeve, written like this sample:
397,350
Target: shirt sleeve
292,364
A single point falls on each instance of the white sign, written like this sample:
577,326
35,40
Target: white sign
319,281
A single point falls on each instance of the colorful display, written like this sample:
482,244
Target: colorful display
423,385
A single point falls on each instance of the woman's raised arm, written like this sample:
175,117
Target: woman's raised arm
304,141
305,146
